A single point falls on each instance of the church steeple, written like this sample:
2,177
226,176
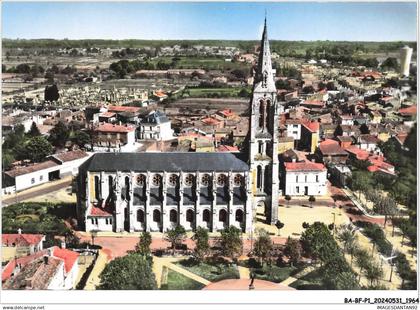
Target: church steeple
264,77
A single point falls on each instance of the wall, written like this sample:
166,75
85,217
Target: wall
315,188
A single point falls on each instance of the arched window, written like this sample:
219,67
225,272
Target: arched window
97,188
140,216
173,216
262,114
190,216
110,185
259,177
239,216
127,188
260,147
222,216
156,216
267,114
206,216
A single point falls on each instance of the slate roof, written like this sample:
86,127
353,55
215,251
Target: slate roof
185,161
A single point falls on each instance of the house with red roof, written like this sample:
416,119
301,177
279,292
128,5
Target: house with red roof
309,136
304,178
50,269
330,151
114,136
23,244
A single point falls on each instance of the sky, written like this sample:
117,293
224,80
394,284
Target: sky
351,21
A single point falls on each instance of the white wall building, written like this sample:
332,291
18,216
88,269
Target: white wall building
405,59
156,126
305,178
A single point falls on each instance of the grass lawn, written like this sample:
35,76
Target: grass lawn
311,281
212,271
177,281
274,273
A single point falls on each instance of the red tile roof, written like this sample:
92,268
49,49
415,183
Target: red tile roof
412,110
32,168
69,257
331,147
107,114
304,166
21,239
8,269
227,148
359,153
103,210
119,108
227,112
312,126
107,127
71,155
401,138
210,121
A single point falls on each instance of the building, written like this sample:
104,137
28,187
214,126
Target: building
156,126
330,152
50,269
405,59
264,134
17,245
157,191
305,178
55,167
114,136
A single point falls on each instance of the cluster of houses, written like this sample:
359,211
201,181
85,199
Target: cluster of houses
27,265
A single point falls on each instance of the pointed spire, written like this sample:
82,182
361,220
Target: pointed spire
264,72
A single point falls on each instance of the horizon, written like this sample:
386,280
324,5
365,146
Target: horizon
216,21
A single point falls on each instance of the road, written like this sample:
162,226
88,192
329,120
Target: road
15,198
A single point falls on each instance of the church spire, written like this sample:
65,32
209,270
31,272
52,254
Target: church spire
265,74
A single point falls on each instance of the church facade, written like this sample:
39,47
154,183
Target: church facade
158,191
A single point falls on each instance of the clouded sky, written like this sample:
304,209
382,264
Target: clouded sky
357,21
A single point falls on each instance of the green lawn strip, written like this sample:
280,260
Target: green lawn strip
310,281
213,272
177,281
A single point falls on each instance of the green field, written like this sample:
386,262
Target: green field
177,281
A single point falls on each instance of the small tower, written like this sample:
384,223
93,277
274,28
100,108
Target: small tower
263,136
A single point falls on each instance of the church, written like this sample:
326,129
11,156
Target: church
158,191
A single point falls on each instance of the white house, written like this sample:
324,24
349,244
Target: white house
156,126
305,178
293,128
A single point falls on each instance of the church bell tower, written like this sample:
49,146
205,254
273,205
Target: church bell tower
263,138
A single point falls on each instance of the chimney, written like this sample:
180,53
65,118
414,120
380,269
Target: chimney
293,159
19,231
313,160
45,259
63,244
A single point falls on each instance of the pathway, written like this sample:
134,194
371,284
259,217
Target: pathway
93,281
244,272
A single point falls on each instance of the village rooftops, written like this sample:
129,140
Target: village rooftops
21,239
357,152
175,161
304,166
107,127
70,156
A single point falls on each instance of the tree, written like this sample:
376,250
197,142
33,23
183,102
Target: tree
38,148
175,236
51,93
202,247
34,131
231,242
312,200
143,246
347,235
59,134
346,281
360,181
279,226
293,250
390,63
81,138
130,272
362,259
263,245
386,206
373,272
7,160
